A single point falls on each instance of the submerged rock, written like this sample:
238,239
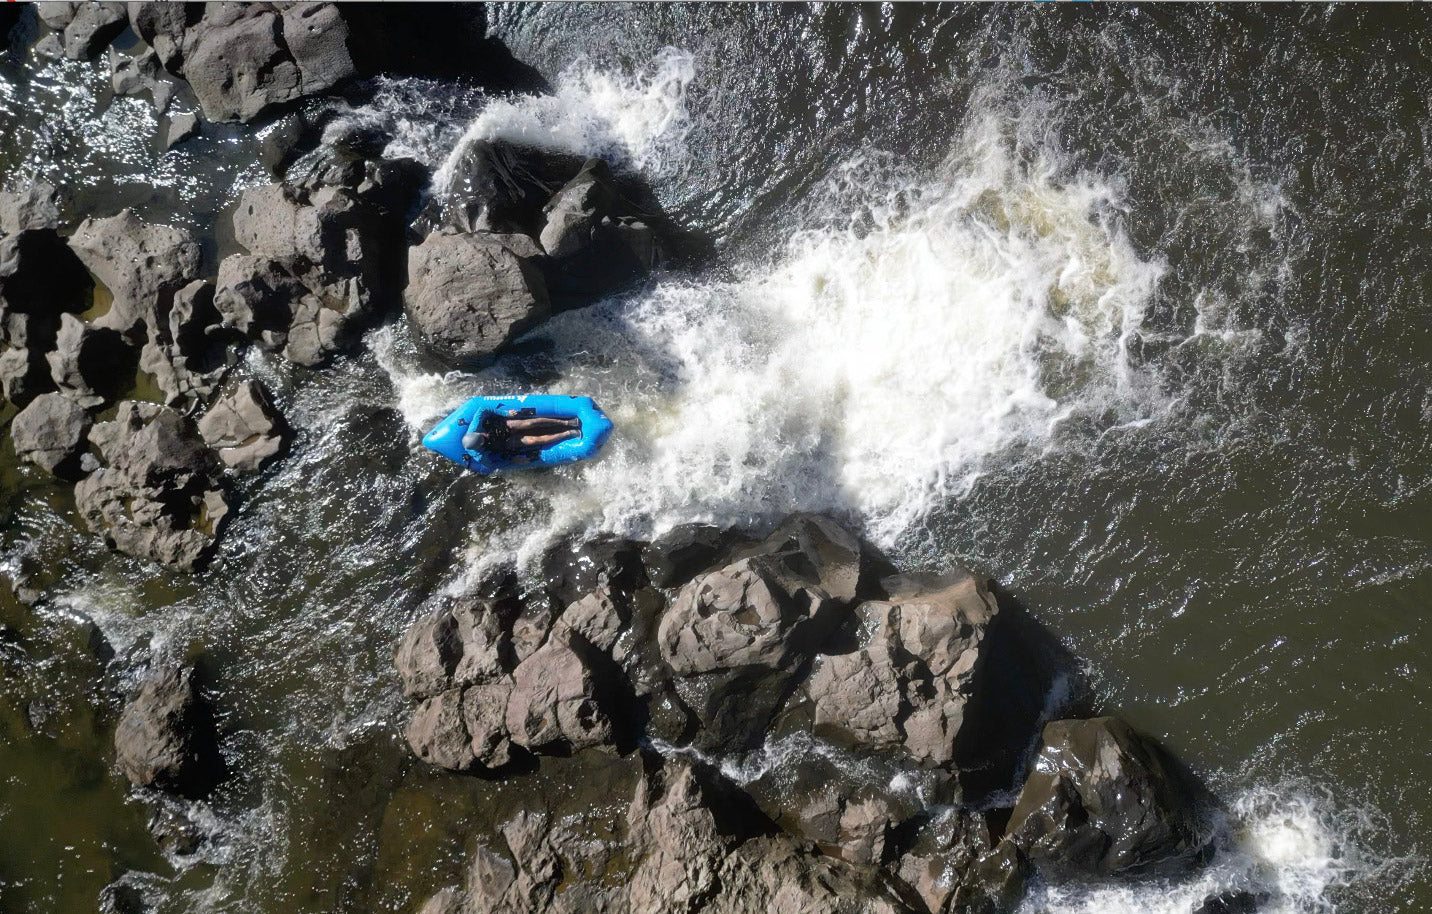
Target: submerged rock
181,127
596,243
166,737
189,356
158,495
683,552
50,433
469,295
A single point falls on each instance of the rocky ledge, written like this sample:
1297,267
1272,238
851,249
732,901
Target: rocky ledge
890,742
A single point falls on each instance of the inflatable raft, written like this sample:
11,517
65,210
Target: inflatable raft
446,436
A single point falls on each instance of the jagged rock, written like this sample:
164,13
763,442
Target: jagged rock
737,637
90,365
189,355
142,265
469,295
180,128
596,242
245,428
244,59
162,25
93,26
49,47
24,376
166,737
158,495
558,699
1103,800
133,75
683,552
121,896
35,207
57,14
484,715
457,645
940,852
437,734
495,186
316,273
600,617
573,569
50,433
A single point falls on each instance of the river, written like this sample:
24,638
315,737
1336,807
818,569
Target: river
1126,306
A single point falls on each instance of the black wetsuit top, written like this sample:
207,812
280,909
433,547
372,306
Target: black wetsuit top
500,439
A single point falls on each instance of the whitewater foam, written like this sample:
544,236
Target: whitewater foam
1290,847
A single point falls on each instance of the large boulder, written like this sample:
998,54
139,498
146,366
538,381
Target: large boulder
39,273
596,243
683,552
93,26
496,186
51,433
245,428
316,273
166,737
162,25
142,265
559,701
738,638
158,495
243,60
469,295
24,375
1103,800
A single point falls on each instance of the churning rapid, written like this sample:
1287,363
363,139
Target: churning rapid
1093,301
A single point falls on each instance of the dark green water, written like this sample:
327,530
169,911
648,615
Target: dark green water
1127,307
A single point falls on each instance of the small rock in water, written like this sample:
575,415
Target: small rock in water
180,128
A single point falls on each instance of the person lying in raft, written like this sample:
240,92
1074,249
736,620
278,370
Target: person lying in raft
518,438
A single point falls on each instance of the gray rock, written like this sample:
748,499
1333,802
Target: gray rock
245,428
685,551
470,295
35,207
162,25
572,569
166,737
1103,800
499,187
437,734
51,433
189,356
737,638
244,59
142,265
90,364
557,698
451,900
93,26
158,495
40,275
133,75
316,274
181,127
596,243
428,654
49,47
56,13
24,376
484,715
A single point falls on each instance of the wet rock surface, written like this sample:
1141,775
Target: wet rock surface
855,713
245,428
166,737
157,494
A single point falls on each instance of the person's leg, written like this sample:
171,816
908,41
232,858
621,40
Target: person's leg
540,441
544,425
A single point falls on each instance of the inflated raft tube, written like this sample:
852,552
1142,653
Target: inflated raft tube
446,436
